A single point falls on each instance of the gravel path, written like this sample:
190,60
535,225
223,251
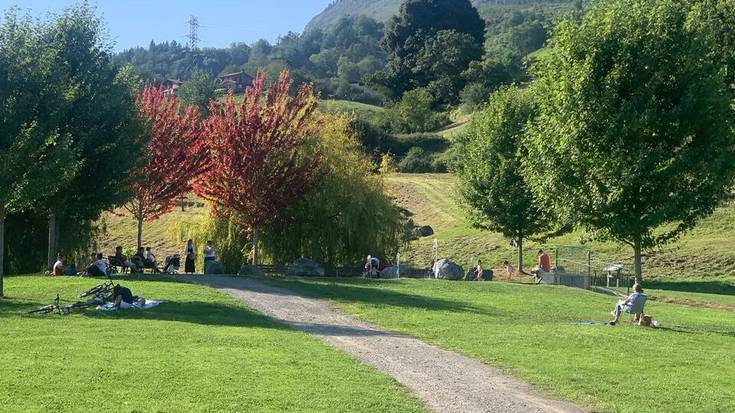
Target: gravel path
444,381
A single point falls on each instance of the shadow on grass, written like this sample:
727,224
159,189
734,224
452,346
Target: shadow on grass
195,312
366,292
697,330
707,287
13,306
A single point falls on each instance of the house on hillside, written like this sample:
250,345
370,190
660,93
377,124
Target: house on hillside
236,82
171,86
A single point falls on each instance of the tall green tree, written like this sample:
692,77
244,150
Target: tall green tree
490,155
92,102
33,160
431,41
635,133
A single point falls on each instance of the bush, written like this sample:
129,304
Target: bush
414,113
415,161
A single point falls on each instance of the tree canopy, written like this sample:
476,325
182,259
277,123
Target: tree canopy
489,159
428,44
634,135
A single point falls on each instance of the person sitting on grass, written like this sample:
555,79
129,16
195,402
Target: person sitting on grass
99,267
58,268
124,298
634,302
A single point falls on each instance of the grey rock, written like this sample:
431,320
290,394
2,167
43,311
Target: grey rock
448,270
304,267
392,272
251,270
424,231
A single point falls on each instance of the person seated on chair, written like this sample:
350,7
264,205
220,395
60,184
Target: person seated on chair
543,265
99,267
58,268
632,305
122,260
124,298
139,258
149,260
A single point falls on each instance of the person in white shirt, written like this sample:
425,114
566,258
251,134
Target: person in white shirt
58,268
209,254
98,268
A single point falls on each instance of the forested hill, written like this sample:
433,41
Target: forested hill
382,10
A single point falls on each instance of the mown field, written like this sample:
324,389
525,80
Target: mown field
707,251
531,331
200,351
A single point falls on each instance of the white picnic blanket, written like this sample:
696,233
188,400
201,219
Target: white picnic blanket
148,305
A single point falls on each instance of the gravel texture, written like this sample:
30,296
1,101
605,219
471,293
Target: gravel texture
443,380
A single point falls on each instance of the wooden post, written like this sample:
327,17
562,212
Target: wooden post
589,263
398,265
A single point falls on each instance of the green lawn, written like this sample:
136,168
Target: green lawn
200,351
684,366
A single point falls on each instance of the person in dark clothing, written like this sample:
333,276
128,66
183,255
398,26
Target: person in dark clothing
190,253
124,298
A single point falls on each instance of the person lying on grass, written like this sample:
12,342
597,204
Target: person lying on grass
628,304
124,298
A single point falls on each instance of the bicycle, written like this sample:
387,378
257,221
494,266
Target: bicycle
102,292
48,309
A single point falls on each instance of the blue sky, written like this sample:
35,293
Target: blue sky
137,22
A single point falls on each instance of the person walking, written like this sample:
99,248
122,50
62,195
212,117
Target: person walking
190,252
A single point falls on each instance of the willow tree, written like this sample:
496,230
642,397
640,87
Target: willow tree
346,216
634,135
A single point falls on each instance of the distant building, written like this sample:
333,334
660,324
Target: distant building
171,86
236,82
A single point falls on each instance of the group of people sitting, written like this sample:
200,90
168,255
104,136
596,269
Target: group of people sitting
142,260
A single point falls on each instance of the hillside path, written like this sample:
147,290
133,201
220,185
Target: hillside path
443,380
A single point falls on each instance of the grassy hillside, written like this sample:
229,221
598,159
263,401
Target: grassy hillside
363,111
431,198
705,251
382,10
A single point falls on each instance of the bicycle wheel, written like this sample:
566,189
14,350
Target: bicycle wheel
92,291
43,310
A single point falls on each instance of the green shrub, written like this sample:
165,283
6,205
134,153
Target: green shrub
414,113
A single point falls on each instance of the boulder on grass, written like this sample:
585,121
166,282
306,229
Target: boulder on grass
389,272
448,270
424,231
304,267
250,271
213,267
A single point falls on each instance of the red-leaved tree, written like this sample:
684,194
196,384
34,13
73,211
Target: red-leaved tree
176,155
260,152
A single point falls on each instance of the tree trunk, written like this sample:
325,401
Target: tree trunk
51,256
2,249
255,246
520,256
638,264
140,232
